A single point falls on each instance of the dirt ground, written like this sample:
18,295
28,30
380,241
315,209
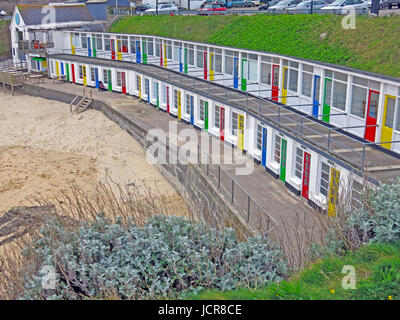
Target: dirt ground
44,147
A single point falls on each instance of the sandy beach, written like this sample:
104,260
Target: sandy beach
43,147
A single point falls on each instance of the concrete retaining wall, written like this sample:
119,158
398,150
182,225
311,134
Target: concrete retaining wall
201,195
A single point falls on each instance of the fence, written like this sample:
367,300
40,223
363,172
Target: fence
253,213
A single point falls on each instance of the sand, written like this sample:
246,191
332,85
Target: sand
44,147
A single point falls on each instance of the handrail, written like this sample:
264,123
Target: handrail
77,96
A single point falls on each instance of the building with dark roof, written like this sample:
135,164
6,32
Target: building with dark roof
32,27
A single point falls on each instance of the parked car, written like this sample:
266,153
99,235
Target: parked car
390,4
141,8
256,2
305,7
239,3
163,8
250,3
265,6
212,9
227,4
3,13
283,5
343,6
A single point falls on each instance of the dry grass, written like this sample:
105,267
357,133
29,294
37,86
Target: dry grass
73,206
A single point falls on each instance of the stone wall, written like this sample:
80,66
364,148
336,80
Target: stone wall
200,193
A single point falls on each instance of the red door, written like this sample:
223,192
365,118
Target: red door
168,99
275,82
205,65
306,175
112,49
73,72
123,80
222,124
372,114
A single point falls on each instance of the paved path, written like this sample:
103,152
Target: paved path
268,192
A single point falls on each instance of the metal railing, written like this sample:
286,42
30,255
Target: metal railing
252,212
257,104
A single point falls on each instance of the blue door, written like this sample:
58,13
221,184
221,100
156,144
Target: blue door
180,60
236,73
317,84
191,110
96,75
148,90
62,68
89,47
264,148
138,57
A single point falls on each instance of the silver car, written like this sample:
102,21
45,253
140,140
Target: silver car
283,5
305,7
344,6
163,8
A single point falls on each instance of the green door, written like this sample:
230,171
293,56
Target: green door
144,52
245,73
109,80
158,98
94,47
67,67
206,115
327,100
185,60
283,160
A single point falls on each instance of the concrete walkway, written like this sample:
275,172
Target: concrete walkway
270,193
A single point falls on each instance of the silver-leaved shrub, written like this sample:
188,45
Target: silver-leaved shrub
164,257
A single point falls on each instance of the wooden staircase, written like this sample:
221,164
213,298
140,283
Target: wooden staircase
83,104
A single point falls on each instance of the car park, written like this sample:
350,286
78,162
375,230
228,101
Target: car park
305,7
344,6
212,9
264,6
283,6
163,8
390,4
141,8
239,3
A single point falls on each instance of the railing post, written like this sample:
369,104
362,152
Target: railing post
219,176
363,157
248,208
329,139
208,168
301,125
233,189
279,114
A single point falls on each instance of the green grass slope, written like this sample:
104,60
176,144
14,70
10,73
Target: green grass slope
377,277
5,44
372,46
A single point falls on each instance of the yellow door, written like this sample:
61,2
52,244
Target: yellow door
333,192
84,76
211,66
72,45
179,105
57,69
119,50
387,121
241,133
285,85
165,55
140,87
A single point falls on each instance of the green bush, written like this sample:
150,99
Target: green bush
165,257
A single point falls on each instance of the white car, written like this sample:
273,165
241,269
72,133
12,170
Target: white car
345,6
163,8
3,13
283,5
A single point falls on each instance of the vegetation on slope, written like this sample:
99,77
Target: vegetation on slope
377,277
5,44
372,46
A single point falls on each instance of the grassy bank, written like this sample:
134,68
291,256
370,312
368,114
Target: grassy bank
377,277
372,46
5,44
